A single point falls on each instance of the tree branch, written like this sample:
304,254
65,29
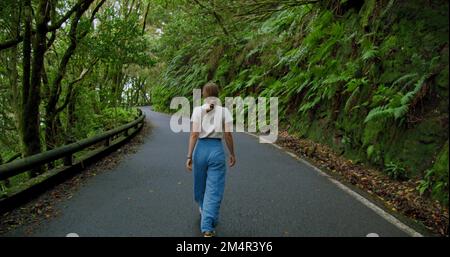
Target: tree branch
52,27
145,18
72,84
265,8
94,12
216,16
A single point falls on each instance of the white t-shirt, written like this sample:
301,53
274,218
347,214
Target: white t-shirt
212,122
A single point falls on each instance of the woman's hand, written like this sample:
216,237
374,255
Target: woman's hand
232,160
189,164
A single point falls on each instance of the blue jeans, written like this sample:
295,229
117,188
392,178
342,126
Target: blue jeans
209,180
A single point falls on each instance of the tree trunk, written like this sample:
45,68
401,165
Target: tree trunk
71,118
52,122
29,118
51,128
15,97
30,114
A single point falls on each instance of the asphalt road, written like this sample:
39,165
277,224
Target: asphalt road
268,193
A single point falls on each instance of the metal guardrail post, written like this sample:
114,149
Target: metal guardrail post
68,160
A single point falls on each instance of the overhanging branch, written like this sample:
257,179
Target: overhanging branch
52,27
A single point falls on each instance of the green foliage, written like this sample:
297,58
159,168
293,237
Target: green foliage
400,104
396,171
112,117
376,77
119,40
370,151
367,11
107,71
436,179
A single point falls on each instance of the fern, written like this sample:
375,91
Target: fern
400,109
405,77
369,50
303,85
333,78
351,100
355,83
407,98
387,8
396,171
370,150
384,112
378,112
366,11
309,105
370,53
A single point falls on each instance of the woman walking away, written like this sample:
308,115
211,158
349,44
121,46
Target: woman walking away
210,123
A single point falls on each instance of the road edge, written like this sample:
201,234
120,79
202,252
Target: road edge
366,202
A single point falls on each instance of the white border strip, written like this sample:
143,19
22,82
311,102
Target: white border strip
377,210
405,228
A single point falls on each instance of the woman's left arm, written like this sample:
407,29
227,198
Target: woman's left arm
192,141
230,144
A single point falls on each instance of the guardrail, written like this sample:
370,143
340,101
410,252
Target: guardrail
112,139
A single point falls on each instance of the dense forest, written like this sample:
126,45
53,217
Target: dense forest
367,78
68,70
